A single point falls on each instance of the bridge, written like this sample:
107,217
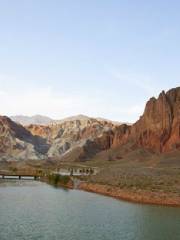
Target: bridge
19,176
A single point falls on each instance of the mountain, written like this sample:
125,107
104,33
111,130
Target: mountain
79,132
158,129
17,143
36,119
80,138
35,142
79,117
44,120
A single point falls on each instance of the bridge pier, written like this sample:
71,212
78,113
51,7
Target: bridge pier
19,177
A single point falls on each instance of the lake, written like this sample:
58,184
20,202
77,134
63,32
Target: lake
34,210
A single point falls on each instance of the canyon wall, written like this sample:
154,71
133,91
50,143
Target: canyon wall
158,129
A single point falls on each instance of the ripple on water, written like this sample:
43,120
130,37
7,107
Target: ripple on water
35,210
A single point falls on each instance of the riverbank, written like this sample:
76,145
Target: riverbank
138,196
59,181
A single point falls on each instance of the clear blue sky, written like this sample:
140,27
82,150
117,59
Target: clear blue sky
98,57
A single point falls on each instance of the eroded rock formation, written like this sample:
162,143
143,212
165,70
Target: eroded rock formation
16,142
81,137
158,128
90,134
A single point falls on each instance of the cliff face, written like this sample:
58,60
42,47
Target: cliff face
158,128
16,142
88,134
85,136
81,137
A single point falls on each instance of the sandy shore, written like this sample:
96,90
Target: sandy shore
139,196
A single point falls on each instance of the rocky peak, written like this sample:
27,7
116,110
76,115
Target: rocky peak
159,127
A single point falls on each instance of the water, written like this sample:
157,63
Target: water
34,210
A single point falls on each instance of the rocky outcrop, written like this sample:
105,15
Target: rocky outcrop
121,135
17,143
81,137
40,130
158,129
88,135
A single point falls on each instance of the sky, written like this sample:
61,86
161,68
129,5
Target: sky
101,58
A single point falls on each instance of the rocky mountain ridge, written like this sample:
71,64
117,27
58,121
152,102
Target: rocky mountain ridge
44,120
27,120
53,140
64,136
158,129
79,138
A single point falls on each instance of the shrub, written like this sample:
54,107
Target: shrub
56,179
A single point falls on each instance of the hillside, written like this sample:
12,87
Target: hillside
17,143
89,135
54,140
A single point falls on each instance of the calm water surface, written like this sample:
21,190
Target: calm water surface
35,210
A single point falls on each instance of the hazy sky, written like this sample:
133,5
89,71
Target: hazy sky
95,57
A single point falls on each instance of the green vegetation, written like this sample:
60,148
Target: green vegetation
56,179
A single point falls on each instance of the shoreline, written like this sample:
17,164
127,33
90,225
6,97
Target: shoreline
140,196
68,185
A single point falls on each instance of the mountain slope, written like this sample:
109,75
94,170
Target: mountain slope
55,140
17,143
79,138
76,132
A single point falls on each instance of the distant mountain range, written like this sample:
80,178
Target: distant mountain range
44,120
79,138
36,119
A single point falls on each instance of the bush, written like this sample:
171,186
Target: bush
56,179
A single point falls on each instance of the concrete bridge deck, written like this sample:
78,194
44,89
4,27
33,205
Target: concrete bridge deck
19,176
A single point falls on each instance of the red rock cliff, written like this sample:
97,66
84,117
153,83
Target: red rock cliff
158,128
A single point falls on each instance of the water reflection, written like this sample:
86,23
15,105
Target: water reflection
35,210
